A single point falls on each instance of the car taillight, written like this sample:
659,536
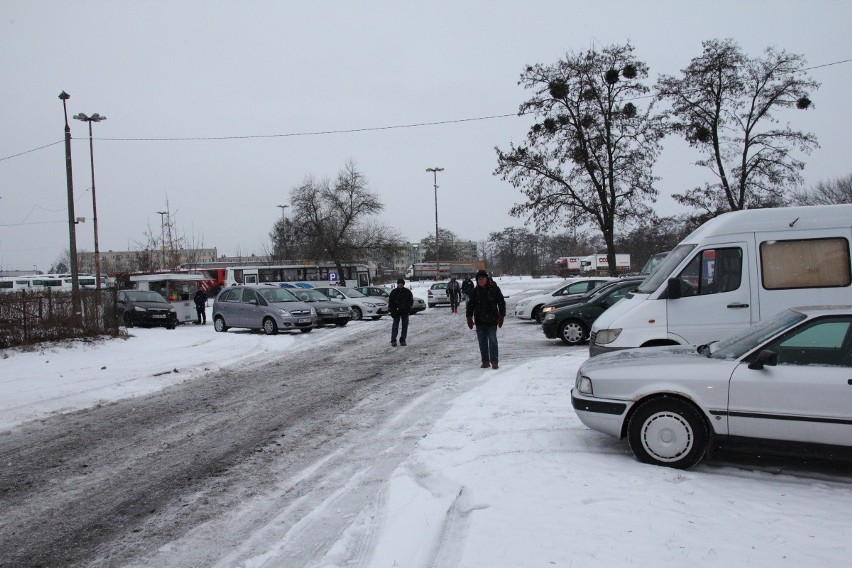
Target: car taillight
430,293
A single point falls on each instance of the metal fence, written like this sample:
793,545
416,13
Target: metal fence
30,317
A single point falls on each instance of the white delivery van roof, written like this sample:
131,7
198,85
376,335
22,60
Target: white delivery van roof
774,219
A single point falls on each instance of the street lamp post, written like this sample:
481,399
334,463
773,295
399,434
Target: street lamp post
90,119
72,230
162,215
435,177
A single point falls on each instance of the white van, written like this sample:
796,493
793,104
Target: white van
732,271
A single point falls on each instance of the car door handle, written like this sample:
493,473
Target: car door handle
737,305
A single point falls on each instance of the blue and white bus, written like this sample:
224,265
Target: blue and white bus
299,275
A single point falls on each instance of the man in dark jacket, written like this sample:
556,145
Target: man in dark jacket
399,305
466,287
200,306
486,308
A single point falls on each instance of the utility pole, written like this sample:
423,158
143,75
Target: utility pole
437,263
162,215
72,221
90,119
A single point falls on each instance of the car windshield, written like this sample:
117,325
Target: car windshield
604,290
741,343
143,296
273,295
311,296
351,293
665,268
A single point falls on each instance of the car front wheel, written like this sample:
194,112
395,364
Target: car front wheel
357,314
269,326
572,332
669,432
219,324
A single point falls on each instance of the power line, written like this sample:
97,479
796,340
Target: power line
319,132
33,150
341,131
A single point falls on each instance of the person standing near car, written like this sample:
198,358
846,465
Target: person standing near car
486,308
466,287
400,302
454,293
200,299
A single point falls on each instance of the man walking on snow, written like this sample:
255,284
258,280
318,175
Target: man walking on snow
486,308
399,305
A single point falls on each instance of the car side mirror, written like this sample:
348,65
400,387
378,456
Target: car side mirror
765,357
673,288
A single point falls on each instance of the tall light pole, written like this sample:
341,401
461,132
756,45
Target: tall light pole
90,119
283,207
162,215
437,263
72,223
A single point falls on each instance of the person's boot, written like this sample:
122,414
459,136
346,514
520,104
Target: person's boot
494,364
484,365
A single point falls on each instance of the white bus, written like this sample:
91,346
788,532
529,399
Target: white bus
299,275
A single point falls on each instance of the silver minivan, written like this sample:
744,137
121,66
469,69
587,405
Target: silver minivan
269,308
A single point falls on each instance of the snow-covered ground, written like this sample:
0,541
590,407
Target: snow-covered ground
508,476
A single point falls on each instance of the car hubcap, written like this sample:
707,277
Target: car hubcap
573,333
667,436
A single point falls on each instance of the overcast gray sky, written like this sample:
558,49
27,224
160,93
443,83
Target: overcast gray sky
273,72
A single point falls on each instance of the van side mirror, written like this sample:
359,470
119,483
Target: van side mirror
673,288
765,357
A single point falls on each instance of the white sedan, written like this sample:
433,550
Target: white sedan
783,385
530,308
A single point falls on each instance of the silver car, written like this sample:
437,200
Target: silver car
362,306
269,308
328,311
782,385
418,304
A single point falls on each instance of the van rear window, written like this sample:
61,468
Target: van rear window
805,263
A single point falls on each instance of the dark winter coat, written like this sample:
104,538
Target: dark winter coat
486,305
400,301
454,290
467,286
200,298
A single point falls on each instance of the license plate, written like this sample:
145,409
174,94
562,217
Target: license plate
159,316
305,320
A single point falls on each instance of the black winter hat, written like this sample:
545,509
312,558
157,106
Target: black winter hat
482,273
400,281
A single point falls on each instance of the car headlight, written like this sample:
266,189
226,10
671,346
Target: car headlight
605,336
138,309
313,311
550,316
584,385
172,309
547,309
284,312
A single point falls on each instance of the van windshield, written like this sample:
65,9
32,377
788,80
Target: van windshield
665,268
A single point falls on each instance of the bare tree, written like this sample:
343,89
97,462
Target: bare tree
338,221
725,105
590,156
448,251
826,193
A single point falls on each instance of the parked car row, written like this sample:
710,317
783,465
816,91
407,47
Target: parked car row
418,306
531,308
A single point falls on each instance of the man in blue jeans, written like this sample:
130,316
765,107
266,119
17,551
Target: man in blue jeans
486,308
399,305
